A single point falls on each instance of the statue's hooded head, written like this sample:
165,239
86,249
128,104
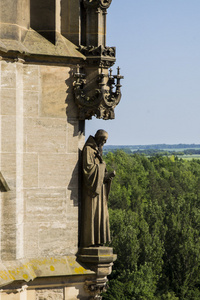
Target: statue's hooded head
101,137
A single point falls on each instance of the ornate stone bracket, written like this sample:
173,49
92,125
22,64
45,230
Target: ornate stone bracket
103,99
99,260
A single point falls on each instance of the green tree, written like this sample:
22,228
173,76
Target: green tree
155,224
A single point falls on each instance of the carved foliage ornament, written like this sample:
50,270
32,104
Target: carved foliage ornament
98,51
103,101
104,4
101,56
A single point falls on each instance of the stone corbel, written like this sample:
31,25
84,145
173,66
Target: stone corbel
100,260
99,101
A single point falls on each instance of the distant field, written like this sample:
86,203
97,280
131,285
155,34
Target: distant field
190,157
186,151
166,149
180,149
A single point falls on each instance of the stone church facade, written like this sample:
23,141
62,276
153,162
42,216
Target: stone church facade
53,75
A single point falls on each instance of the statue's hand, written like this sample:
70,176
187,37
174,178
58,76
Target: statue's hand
112,174
109,176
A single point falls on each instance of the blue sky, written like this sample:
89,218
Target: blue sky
158,51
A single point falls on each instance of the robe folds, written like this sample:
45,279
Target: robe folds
95,228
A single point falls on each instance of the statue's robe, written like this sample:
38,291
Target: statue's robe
95,218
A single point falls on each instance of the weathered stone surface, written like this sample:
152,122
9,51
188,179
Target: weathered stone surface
11,296
53,96
30,170
14,12
56,294
29,269
39,154
8,139
8,214
36,44
8,16
8,75
31,248
30,78
51,164
46,205
45,135
31,103
8,101
8,241
53,240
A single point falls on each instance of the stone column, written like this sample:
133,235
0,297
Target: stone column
95,22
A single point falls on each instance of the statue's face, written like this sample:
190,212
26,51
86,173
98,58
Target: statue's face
101,140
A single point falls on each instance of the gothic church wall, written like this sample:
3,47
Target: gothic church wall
39,152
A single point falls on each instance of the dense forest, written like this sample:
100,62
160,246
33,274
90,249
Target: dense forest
154,207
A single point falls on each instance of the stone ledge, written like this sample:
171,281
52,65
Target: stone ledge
29,269
36,47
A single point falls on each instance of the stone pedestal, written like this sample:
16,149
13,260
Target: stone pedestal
99,260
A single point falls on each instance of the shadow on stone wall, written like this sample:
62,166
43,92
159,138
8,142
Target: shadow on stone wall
71,109
42,18
75,184
75,187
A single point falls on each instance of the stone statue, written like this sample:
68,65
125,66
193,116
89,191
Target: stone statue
95,230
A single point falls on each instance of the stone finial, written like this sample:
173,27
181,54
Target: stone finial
103,4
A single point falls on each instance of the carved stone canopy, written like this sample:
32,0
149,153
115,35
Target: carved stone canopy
103,4
96,92
99,101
